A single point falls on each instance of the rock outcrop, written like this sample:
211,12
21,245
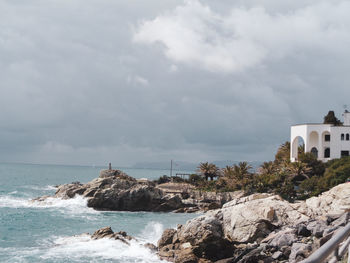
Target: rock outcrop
259,228
107,232
116,191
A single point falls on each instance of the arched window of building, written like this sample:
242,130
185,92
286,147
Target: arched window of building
347,137
327,138
327,153
342,137
314,151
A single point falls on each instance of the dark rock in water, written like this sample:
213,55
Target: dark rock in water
114,190
151,247
107,232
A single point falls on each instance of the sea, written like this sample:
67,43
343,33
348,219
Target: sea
56,230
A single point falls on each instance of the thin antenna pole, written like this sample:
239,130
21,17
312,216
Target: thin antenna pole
171,168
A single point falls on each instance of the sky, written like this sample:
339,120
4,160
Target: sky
96,81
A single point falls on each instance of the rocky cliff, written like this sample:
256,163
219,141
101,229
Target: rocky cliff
116,191
259,228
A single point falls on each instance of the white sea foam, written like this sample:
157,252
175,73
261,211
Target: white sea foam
41,188
83,248
152,232
76,205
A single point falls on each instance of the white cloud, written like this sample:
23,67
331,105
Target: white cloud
137,80
246,37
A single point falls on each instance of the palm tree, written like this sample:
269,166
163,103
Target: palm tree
208,170
242,170
298,170
283,152
267,168
228,171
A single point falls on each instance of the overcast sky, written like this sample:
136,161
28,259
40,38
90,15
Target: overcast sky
93,81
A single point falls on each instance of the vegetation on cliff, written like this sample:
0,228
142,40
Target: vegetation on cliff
291,180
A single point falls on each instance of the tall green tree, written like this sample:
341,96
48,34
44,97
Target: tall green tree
330,118
298,171
283,153
208,170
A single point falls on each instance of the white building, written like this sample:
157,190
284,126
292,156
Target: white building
325,141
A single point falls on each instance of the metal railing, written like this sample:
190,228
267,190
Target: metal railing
334,246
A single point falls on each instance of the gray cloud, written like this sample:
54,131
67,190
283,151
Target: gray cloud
87,82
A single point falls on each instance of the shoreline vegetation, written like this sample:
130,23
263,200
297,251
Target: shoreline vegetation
293,181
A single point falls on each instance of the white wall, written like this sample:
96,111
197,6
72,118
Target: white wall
314,136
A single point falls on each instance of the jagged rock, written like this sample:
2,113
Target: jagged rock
277,255
257,217
317,227
201,237
185,255
167,237
342,220
335,201
299,251
107,232
283,238
114,173
114,190
151,247
257,228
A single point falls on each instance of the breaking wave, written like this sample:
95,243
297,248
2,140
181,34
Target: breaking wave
77,204
82,248
152,232
72,249
41,188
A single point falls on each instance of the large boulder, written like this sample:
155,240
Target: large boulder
201,237
335,201
254,217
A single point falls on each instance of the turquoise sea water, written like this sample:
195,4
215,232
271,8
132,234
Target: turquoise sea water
51,231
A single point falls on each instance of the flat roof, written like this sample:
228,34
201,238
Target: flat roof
311,124
321,124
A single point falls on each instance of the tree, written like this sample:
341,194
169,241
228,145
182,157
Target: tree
298,171
330,118
241,171
317,167
283,153
267,168
208,170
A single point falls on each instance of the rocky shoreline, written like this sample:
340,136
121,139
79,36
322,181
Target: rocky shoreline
116,191
234,228
256,228
259,228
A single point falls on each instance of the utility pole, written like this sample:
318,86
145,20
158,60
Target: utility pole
171,168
